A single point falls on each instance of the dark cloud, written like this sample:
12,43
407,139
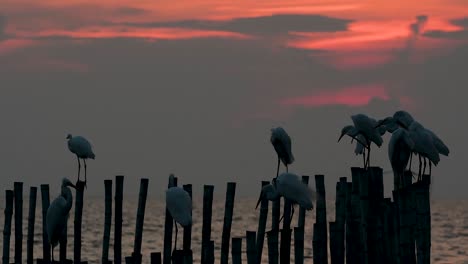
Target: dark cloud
130,11
418,26
268,25
459,34
463,22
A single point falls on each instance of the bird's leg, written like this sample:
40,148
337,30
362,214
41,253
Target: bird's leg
84,160
281,219
286,168
79,167
368,157
364,157
175,242
410,160
424,170
292,213
420,166
430,168
277,169
52,254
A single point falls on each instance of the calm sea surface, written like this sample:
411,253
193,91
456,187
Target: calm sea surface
449,229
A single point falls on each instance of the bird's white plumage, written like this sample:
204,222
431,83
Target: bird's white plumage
403,118
423,142
367,127
291,187
179,204
269,192
81,147
359,149
439,144
282,144
399,151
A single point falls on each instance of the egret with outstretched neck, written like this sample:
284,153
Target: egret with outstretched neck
57,214
282,145
81,147
179,204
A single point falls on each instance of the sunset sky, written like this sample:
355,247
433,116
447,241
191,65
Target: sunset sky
193,87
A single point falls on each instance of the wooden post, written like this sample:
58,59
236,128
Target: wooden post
18,191
273,253
275,214
302,211
374,217
228,211
31,221
9,200
45,206
353,237
209,252
350,254
107,220
319,240
206,227
364,202
119,181
168,225
236,251
299,245
340,219
251,247
423,238
63,245
285,243
334,254
78,220
388,256
262,220
156,258
178,257
187,244
136,255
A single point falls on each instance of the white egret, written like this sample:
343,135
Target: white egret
424,146
399,151
81,147
291,187
282,144
57,214
179,204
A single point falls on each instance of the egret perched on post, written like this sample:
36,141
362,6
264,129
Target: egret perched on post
282,144
81,147
399,151
424,146
179,204
57,214
289,186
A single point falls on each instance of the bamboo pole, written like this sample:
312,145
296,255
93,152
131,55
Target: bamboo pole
119,180
275,214
251,247
354,239
374,217
168,225
299,245
236,251
18,191
31,220
209,252
107,220
63,245
302,211
364,203
350,254
272,237
9,200
206,227
136,255
178,257
285,243
45,206
340,219
262,220
187,244
334,254
228,211
155,258
78,221
320,245
388,255
423,238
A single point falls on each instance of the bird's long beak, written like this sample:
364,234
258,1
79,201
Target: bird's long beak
259,200
380,123
72,185
342,134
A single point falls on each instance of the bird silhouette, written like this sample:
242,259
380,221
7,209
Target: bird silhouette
81,147
282,145
179,204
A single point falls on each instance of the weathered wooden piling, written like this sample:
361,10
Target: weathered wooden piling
388,236
31,220
63,246
45,205
262,220
136,255
273,254
209,252
168,225
155,258
178,256
334,255
228,211
364,204
251,247
107,220
299,245
119,180
9,200
18,190
78,221
319,239
187,243
285,243
236,251
350,254
302,211
374,217
206,226
423,214
340,220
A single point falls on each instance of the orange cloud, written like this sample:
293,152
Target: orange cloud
12,45
351,96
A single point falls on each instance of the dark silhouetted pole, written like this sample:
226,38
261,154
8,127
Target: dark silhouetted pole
364,201
334,255
209,252
206,227
273,254
187,244
168,225
340,219
319,240
251,247
78,220
45,205
63,245
136,255
228,211
119,180
350,230
31,221
302,211
285,243
262,220
18,189
9,199
236,251
374,217
107,220
423,242
156,258
299,245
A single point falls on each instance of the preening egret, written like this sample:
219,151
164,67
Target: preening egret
179,204
424,146
291,187
81,147
57,214
399,151
282,144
